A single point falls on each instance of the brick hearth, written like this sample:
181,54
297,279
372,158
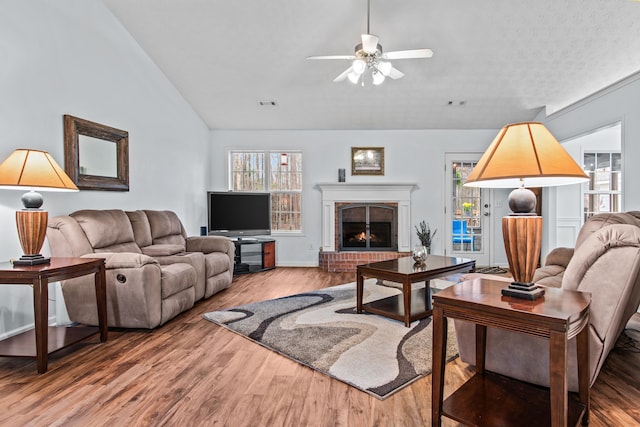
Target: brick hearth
347,261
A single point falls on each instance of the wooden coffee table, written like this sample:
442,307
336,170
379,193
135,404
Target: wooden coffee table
489,399
410,305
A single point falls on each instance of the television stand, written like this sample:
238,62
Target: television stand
254,255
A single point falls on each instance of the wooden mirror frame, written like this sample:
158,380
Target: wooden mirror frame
73,128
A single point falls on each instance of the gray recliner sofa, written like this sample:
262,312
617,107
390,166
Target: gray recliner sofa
558,259
605,263
154,270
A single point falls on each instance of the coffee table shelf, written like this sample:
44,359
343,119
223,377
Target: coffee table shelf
393,306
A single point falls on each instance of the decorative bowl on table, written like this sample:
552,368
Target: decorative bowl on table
420,254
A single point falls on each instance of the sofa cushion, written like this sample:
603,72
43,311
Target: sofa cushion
176,278
599,221
166,228
141,228
549,275
107,230
66,238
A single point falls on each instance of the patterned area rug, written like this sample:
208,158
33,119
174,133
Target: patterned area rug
321,330
491,270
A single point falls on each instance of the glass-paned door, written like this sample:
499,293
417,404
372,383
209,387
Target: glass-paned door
467,212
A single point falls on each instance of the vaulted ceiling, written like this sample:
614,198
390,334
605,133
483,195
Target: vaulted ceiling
495,61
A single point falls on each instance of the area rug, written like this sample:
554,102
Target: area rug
491,270
321,330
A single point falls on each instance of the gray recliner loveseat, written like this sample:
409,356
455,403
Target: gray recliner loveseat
154,270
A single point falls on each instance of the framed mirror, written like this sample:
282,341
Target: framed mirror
96,157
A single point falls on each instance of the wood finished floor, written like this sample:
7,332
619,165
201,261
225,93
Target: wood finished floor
190,372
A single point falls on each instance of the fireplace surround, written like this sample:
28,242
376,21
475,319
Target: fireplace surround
331,257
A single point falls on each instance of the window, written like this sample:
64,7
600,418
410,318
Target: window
603,191
276,172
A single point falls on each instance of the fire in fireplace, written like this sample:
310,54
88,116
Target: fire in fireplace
367,227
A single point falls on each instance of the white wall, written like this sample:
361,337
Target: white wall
618,103
411,156
73,57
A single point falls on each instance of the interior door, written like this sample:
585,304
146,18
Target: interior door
467,211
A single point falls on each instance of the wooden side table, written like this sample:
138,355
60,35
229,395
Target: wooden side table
492,399
49,339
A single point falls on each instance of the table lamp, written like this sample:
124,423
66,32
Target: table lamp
35,170
524,155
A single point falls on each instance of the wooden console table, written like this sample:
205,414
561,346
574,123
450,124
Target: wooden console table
49,339
492,399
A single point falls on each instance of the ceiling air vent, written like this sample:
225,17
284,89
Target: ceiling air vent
267,103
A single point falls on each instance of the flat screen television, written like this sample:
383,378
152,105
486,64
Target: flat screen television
239,214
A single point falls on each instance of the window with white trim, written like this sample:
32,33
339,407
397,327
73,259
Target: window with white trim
603,192
276,172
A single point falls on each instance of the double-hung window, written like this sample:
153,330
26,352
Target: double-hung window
276,172
603,192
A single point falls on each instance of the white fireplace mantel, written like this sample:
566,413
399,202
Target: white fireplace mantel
333,192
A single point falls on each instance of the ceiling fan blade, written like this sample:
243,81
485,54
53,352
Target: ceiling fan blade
408,54
332,57
369,43
342,75
395,74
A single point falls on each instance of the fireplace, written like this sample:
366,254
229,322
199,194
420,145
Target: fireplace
367,227
334,257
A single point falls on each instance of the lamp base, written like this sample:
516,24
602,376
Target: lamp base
522,235
31,260
521,290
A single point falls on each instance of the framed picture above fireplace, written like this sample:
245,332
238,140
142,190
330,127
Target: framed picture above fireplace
367,160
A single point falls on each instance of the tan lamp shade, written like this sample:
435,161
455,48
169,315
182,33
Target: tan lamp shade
33,170
525,154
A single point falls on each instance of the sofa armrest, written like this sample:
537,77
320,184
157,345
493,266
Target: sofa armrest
559,256
208,244
114,260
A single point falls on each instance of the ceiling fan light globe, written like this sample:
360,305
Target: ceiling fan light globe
353,77
378,77
358,66
384,67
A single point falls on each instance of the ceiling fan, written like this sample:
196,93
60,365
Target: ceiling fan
369,56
